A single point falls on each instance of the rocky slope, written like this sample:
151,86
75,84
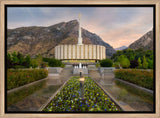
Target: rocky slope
42,40
145,42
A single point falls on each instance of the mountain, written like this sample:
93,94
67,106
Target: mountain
145,42
42,40
121,48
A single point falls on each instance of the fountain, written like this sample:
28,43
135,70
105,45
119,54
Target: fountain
80,65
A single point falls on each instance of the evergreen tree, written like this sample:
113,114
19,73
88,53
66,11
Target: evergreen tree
150,63
15,59
139,63
39,60
131,57
27,61
145,63
20,58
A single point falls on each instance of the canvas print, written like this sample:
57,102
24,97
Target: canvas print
62,59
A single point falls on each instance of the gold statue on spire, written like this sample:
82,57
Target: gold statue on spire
79,16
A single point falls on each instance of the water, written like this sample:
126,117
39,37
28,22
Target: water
31,98
129,96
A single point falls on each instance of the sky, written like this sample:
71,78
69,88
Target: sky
118,26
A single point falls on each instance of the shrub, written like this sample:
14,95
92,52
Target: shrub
138,77
117,65
62,65
106,63
97,65
16,78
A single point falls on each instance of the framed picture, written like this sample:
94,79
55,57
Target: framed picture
79,58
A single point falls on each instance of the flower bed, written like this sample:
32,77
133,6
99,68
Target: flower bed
16,78
95,98
138,77
69,98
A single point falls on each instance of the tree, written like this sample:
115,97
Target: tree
139,63
131,57
145,63
27,61
9,61
44,64
54,63
150,63
34,63
20,57
124,62
15,59
106,63
134,64
39,60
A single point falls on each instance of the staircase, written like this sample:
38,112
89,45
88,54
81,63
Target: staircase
107,76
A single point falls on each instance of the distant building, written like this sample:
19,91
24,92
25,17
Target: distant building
80,52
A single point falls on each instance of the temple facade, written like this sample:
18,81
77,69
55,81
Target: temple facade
80,52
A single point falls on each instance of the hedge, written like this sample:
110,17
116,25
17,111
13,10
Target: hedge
139,77
16,78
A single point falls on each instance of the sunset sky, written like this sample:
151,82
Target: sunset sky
118,26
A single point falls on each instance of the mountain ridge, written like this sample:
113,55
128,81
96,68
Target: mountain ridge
35,40
145,42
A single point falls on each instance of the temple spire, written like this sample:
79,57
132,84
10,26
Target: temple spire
80,37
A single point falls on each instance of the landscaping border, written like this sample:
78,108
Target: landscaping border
26,85
136,86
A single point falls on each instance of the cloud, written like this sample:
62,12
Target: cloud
117,26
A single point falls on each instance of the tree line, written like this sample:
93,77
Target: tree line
129,58
18,60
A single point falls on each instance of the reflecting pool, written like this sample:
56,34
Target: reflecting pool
31,98
130,96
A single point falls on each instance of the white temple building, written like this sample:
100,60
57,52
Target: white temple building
80,52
